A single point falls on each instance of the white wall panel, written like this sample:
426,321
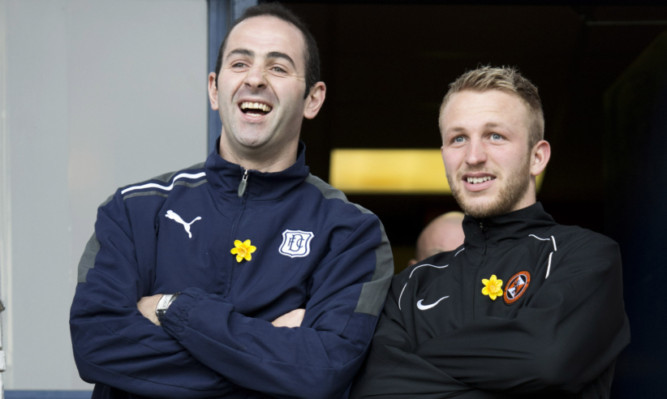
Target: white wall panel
95,94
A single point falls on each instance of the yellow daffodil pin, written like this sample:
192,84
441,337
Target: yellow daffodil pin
243,250
492,287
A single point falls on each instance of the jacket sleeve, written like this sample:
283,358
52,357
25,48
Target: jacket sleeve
113,343
316,360
393,370
567,336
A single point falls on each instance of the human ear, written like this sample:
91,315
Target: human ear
315,100
540,157
213,90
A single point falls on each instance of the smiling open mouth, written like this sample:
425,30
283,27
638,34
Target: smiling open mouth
248,107
478,180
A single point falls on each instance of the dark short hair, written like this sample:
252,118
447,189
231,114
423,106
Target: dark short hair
312,53
508,80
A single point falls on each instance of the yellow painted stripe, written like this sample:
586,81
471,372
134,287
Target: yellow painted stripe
390,171
413,171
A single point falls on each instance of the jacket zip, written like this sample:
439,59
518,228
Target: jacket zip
243,184
229,275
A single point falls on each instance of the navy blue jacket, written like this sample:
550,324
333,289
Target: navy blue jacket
174,233
554,331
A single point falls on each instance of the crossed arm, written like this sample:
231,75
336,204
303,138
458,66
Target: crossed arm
148,304
116,341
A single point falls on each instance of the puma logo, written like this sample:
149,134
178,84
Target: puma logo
176,218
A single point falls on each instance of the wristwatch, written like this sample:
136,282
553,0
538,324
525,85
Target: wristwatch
163,304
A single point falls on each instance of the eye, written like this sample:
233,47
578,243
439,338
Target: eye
496,137
239,66
458,140
278,70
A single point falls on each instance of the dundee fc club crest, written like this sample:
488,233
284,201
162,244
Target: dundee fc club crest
296,243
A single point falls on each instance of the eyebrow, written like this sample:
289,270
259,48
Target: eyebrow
456,129
239,51
278,54
494,125
271,54
488,125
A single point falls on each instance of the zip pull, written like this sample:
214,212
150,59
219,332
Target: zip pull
243,184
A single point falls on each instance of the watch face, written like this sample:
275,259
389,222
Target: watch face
164,301
163,305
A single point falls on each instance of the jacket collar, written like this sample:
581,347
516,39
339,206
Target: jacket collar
225,177
510,226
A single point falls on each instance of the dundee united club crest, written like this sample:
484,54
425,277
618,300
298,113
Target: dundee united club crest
516,287
296,243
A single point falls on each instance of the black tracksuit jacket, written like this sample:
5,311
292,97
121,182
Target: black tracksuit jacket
554,331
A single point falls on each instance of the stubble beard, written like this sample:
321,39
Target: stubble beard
506,200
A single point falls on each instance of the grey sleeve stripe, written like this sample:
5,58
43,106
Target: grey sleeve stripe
330,192
327,190
88,258
374,292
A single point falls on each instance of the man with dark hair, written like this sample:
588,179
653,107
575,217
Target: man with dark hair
525,306
312,53
244,276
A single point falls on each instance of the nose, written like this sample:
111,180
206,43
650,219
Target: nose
255,77
476,153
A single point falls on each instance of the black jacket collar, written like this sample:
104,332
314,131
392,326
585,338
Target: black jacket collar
510,226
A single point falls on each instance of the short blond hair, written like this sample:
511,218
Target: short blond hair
508,80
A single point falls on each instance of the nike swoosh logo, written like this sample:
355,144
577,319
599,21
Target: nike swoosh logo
421,306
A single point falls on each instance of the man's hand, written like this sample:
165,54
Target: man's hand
290,319
147,306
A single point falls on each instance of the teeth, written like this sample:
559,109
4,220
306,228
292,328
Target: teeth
255,106
477,180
